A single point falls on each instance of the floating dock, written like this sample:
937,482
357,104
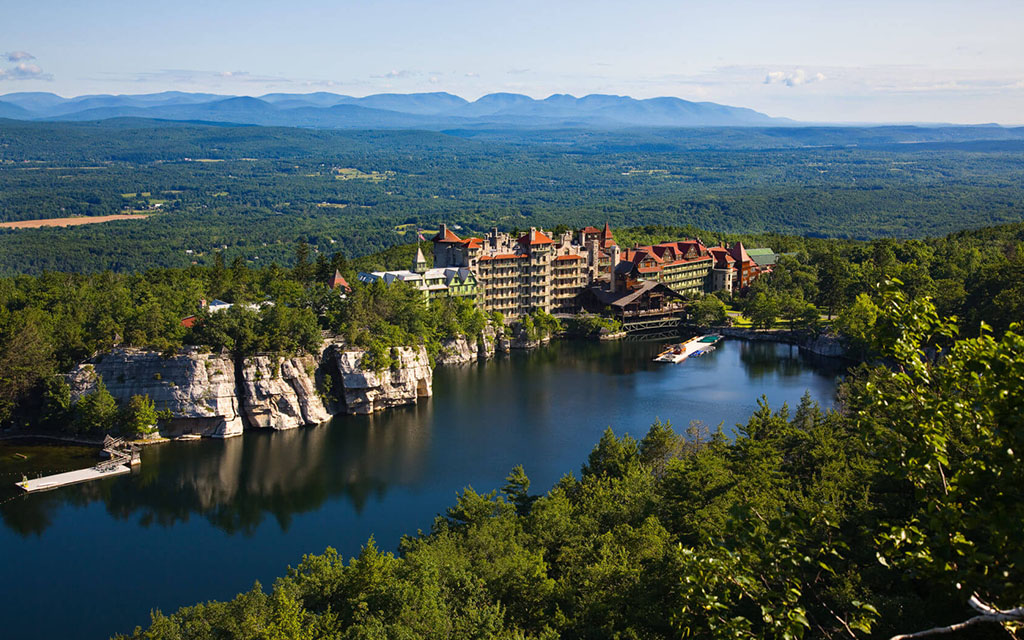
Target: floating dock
695,346
73,477
121,456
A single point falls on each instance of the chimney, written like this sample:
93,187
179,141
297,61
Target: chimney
616,257
533,234
443,231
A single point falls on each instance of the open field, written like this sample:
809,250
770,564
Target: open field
70,222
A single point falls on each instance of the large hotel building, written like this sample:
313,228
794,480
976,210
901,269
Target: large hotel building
516,275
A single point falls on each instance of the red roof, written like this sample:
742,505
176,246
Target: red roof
645,252
448,236
569,258
538,238
189,322
590,230
473,243
338,281
739,252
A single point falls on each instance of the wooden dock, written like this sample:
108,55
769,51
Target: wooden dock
73,477
121,456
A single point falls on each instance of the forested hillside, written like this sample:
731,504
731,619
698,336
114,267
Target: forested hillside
898,513
255,191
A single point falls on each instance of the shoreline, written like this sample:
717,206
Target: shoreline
817,345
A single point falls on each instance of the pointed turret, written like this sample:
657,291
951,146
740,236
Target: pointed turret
739,253
338,281
607,240
420,264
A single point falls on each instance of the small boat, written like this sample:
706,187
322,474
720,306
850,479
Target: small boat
695,346
188,437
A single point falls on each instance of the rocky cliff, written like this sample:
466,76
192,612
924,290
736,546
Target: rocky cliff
465,349
281,393
198,388
821,344
366,390
212,395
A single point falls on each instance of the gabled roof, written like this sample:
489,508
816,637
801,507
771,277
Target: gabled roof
538,237
445,235
646,252
763,257
624,298
473,243
590,230
721,256
737,251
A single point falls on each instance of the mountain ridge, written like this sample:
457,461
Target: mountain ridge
435,110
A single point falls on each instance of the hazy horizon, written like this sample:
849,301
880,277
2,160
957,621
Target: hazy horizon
912,61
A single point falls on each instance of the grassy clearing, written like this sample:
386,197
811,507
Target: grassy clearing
348,173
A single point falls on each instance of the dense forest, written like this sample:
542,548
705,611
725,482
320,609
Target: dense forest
899,512
253,192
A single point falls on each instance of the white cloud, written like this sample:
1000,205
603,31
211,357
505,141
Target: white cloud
396,73
792,78
25,71
471,74
18,56
517,72
434,80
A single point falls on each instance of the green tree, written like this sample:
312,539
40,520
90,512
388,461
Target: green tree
950,429
709,310
857,322
139,417
303,269
763,310
96,412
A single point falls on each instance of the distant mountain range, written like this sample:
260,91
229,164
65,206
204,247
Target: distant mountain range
389,110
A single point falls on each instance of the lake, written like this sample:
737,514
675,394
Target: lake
204,520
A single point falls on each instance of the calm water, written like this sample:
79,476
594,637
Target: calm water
203,520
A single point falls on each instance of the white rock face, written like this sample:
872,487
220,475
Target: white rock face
367,391
457,351
280,393
198,388
465,349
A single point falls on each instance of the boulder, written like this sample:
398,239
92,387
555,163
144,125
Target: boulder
367,390
197,388
280,393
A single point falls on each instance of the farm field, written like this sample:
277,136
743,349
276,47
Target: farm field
70,222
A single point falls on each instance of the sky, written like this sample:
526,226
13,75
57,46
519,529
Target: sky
822,61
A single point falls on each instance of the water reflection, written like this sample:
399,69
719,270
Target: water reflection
544,409
235,483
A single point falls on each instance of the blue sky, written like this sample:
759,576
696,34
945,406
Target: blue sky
899,60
